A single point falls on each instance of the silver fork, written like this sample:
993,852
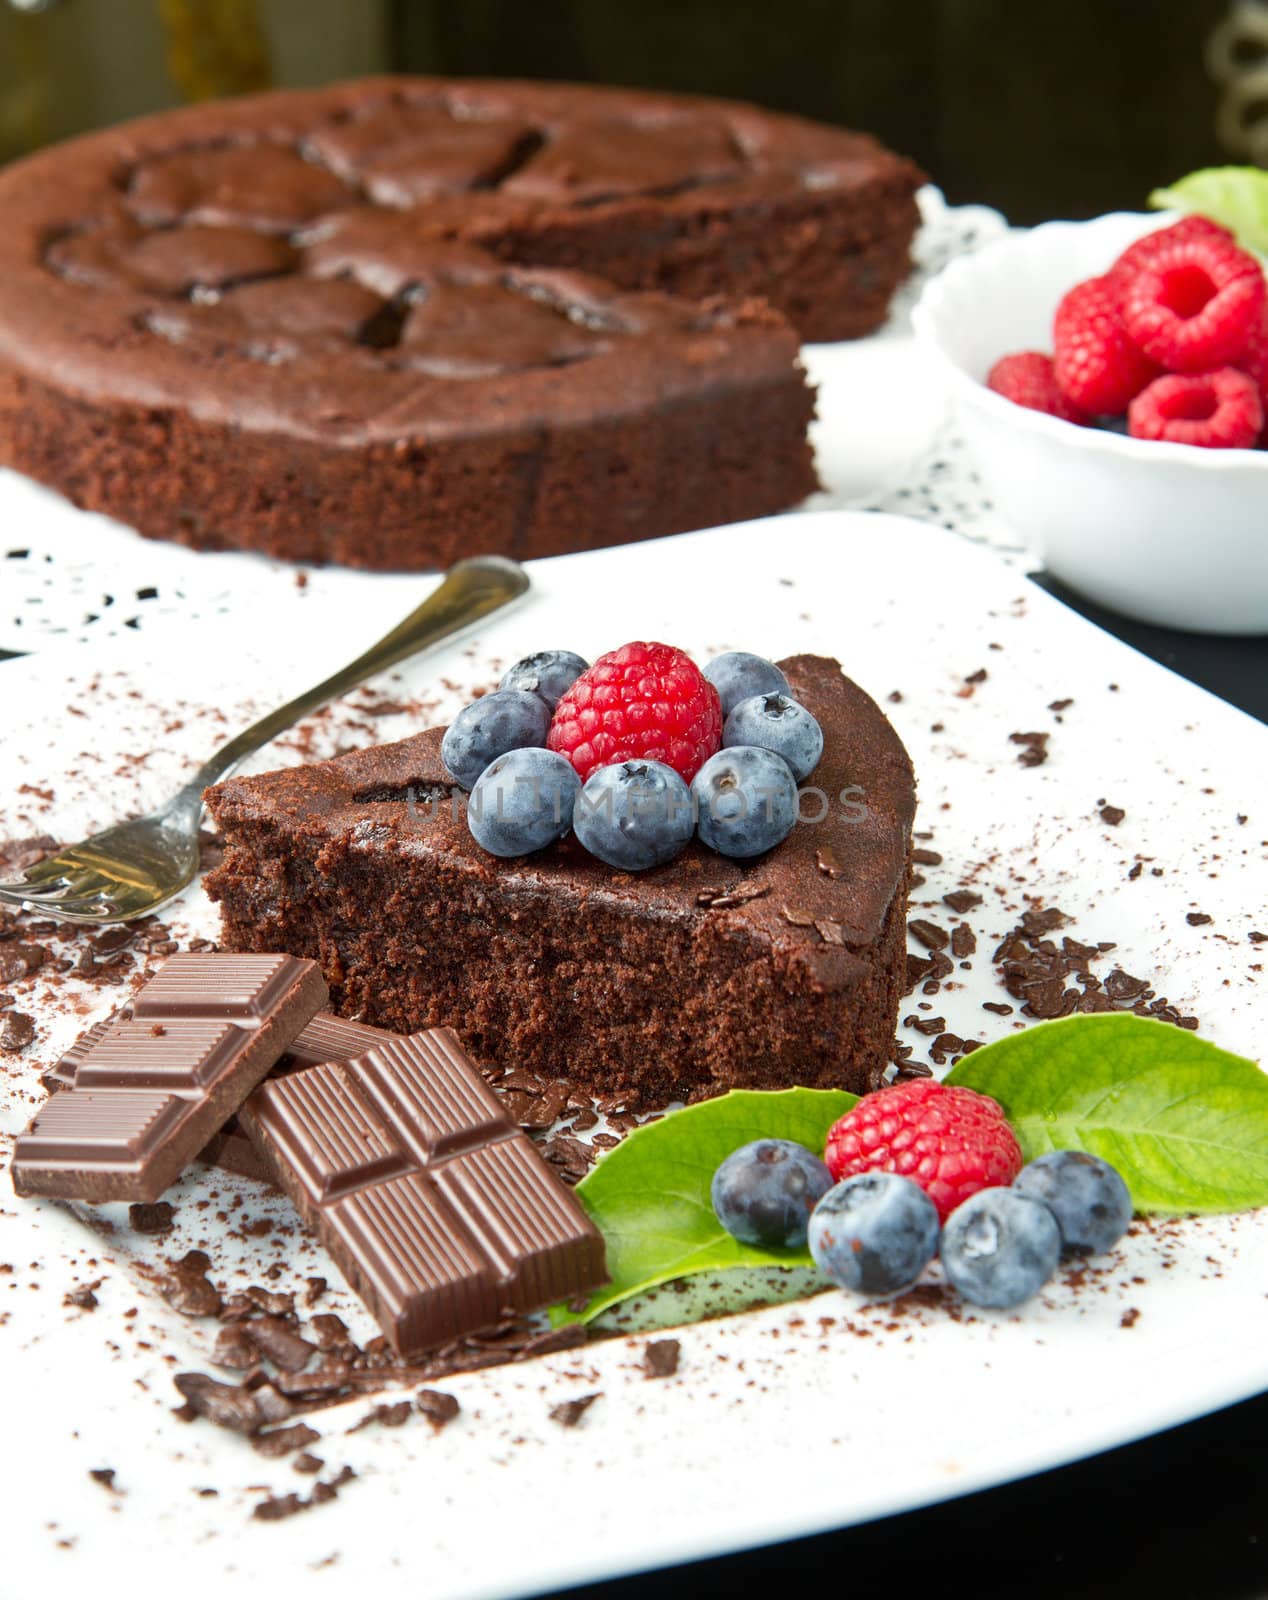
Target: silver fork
133,867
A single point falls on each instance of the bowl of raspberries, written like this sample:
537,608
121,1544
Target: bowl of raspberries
1111,379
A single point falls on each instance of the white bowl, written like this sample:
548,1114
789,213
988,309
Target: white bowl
1166,533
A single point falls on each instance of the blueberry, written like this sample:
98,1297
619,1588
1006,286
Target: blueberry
738,675
549,673
746,799
507,719
875,1233
634,814
1000,1247
522,801
1087,1197
774,722
764,1192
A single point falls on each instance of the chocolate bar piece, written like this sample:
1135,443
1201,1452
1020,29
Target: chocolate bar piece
331,1038
150,1089
61,1075
326,1038
436,1208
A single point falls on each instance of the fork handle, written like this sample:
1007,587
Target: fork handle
470,590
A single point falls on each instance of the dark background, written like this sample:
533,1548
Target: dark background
1041,108
1038,108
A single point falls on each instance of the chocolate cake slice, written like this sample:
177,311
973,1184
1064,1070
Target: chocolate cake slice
396,322
700,976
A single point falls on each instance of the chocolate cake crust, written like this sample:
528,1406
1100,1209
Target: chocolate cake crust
696,977
403,320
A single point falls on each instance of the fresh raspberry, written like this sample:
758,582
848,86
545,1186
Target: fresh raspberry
951,1141
643,701
1195,304
1218,410
1096,364
1145,251
1254,362
1027,379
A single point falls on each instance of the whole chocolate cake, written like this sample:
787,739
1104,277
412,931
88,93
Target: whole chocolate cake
689,979
404,320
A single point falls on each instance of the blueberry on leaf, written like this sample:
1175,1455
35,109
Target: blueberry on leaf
875,1233
764,1192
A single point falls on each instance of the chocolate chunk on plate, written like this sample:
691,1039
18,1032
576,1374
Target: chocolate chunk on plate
152,1088
437,1210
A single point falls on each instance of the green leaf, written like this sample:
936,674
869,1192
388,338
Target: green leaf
1185,1123
650,1196
1235,196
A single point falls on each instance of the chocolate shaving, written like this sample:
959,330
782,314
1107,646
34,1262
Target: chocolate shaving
660,1358
928,934
726,900
1052,981
228,1405
568,1413
1035,752
153,1218
187,1289
20,960
439,1408
392,1414
278,1507
283,1347
17,1031
234,1350
282,1441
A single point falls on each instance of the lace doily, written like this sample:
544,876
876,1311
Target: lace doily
71,577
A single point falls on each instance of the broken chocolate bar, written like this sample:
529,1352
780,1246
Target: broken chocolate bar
438,1211
325,1038
151,1088
331,1038
61,1075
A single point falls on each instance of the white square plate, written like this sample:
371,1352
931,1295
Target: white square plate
781,1421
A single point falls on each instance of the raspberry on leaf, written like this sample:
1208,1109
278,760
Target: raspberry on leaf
952,1141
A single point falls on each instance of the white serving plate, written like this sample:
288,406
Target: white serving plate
871,1414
